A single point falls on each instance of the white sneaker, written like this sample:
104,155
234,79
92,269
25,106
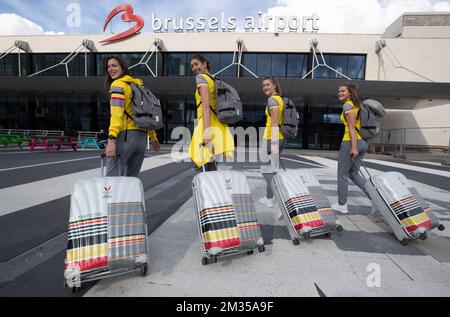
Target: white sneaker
341,208
266,201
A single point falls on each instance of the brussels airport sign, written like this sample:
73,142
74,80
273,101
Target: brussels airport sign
229,24
222,23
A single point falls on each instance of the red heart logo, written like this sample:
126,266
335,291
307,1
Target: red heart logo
128,16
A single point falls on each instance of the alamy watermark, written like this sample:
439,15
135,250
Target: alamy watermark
374,277
74,17
242,138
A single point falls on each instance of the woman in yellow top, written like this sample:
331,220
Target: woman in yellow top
352,146
211,136
125,138
273,139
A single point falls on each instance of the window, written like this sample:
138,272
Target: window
263,65
352,66
356,66
176,65
249,61
297,65
339,63
76,66
278,65
130,59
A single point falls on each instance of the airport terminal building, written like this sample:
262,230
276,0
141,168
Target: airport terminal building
57,82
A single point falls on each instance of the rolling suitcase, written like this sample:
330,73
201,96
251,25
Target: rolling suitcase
226,215
107,233
401,206
304,205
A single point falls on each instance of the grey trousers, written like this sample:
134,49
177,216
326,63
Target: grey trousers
269,176
349,168
131,152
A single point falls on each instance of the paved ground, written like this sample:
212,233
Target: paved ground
34,213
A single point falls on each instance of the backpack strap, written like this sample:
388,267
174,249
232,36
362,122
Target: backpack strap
210,76
200,103
213,79
279,123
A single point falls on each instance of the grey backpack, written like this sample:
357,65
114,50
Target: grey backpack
229,106
289,125
370,113
147,112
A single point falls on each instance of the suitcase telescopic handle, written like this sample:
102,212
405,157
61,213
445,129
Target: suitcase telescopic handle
281,162
363,165
103,157
201,145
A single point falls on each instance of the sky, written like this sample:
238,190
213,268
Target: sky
37,17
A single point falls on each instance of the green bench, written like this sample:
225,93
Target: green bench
7,139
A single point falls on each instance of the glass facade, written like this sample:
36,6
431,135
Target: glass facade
179,64
76,67
287,65
353,66
323,127
320,126
12,110
276,64
9,65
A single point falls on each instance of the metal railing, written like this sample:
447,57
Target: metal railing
32,132
402,141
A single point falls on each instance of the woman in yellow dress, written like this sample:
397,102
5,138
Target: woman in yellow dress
211,137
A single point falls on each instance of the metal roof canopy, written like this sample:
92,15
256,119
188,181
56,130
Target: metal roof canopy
393,94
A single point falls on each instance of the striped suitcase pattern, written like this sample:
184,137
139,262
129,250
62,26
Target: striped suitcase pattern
435,223
219,228
226,213
248,226
411,215
401,206
126,236
304,204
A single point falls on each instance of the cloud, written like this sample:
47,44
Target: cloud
12,24
355,17
441,6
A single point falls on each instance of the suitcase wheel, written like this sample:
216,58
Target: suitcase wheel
144,269
307,236
76,289
250,252
404,242
441,228
339,228
214,259
423,236
205,261
261,248
295,241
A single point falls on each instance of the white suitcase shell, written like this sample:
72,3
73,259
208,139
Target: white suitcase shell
401,206
226,215
107,229
304,206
